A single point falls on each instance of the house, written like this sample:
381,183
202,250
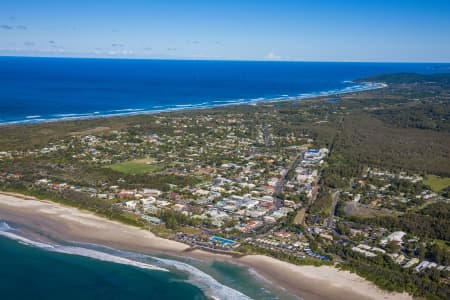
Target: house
289,203
363,252
413,261
151,192
282,234
148,200
162,203
126,194
268,189
201,192
269,220
396,236
256,213
179,207
152,220
131,204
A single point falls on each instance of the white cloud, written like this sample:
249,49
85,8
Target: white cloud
272,56
120,52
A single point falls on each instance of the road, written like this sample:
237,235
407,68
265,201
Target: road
315,191
280,185
267,135
333,208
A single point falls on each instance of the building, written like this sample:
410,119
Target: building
396,236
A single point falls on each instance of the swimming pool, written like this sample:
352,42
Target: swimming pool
222,240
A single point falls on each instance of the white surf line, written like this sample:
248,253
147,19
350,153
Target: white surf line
79,251
206,282
365,86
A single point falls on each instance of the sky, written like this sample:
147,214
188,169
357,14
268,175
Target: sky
300,30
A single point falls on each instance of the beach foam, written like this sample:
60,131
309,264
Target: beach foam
207,283
7,231
33,119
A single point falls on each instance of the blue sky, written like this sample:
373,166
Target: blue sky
315,30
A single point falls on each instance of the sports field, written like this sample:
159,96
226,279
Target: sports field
138,166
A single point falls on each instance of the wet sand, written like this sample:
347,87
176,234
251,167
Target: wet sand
71,224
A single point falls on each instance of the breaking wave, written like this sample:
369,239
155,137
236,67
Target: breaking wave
355,87
207,283
7,231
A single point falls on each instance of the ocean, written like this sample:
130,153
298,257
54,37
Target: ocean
48,89
36,90
33,268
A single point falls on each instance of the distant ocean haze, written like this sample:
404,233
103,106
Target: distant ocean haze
46,89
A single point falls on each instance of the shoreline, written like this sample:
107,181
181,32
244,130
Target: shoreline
67,117
71,224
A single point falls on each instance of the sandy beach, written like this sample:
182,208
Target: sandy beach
71,224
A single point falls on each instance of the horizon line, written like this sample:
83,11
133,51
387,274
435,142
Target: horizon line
222,59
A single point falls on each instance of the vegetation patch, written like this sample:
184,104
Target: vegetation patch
139,166
436,183
361,210
96,130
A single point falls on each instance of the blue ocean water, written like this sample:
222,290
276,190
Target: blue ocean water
31,273
43,89
31,268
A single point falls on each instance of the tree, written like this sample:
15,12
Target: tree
341,229
421,251
393,247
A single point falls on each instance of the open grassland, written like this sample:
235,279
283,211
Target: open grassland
139,166
436,183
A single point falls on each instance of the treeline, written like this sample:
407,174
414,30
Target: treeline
439,253
252,249
85,175
365,140
406,187
432,223
159,181
323,203
432,116
340,169
384,272
437,210
76,199
174,219
440,78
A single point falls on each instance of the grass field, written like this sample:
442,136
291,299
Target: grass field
436,183
139,166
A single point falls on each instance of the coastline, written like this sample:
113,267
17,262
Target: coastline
71,224
67,117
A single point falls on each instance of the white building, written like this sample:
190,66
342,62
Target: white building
131,204
396,236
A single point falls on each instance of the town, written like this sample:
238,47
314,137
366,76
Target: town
246,198
270,179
